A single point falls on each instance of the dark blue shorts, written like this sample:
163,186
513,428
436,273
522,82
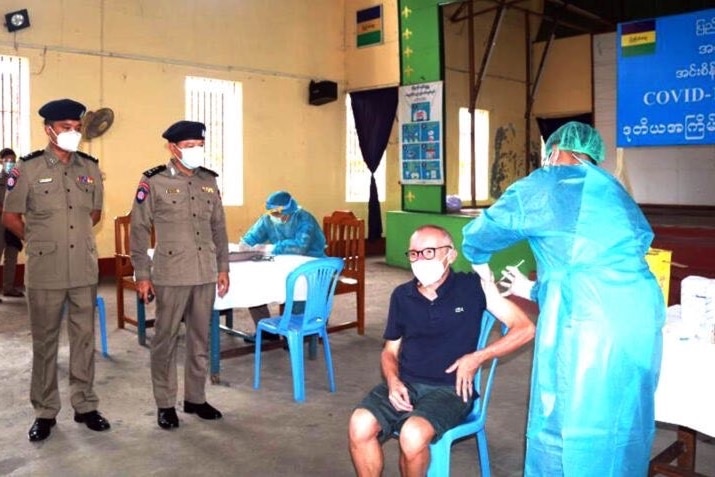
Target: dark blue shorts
440,405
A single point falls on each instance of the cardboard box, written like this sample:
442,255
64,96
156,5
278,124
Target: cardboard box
659,261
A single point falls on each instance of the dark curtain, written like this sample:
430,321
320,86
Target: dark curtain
548,125
374,112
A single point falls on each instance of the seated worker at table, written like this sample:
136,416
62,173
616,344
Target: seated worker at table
189,266
285,229
429,360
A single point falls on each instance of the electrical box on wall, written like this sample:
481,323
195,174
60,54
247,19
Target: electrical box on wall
322,92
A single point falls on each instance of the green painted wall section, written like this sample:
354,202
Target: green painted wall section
400,226
420,49
422,198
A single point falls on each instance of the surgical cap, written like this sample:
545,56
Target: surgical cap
282,202
578,137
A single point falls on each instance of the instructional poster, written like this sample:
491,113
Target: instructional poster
666,81
420,119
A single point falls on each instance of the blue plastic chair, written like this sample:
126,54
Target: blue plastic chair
475,423
102,314
321,276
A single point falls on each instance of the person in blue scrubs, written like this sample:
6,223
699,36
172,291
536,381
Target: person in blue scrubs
598,342
285,229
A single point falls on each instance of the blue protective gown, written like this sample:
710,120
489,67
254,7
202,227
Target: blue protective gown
598,340
300,235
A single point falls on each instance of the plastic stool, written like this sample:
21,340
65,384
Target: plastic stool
102,313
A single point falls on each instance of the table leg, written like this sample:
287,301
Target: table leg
215,348
141,322
682,450
686,459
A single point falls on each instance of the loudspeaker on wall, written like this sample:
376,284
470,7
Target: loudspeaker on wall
322,92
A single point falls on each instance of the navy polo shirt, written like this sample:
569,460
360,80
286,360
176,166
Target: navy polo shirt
435,333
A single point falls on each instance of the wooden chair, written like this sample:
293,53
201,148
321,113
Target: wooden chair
124,274
345,236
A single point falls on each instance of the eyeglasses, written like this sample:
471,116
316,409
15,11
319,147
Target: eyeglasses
426,253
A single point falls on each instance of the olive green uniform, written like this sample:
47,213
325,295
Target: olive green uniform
191,249
56,201
10,252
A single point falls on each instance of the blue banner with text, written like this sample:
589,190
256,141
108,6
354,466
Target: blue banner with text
666,81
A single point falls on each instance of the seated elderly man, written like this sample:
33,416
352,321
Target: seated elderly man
285,229
429,360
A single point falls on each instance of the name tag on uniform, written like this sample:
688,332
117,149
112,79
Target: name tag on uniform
208,190
45,180
85,179
173,191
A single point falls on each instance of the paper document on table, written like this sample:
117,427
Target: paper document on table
248,255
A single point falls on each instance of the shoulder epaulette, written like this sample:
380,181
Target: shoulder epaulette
155,170
87,156
33,155
205,169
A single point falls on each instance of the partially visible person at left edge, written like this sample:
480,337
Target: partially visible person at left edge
181,201
10,245
53,199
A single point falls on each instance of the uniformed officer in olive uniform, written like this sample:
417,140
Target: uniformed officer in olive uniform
181,200
53,199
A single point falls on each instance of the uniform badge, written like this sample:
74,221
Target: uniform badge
208,190
142,192
85,180
12,179
173,191
45,180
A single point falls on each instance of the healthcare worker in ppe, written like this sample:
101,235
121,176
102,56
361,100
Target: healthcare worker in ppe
285,229
598,340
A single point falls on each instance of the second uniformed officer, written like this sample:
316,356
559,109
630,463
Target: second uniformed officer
59,192
182,202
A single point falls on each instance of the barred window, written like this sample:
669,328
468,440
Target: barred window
357,175
219,105
481,154
14,104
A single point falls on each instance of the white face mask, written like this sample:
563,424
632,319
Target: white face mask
68,140
276,220
192,157
428,271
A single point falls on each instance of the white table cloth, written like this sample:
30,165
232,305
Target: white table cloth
686,389
261,282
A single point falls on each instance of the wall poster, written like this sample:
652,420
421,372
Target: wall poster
419,115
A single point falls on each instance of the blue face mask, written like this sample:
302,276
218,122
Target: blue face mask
276,220
7,167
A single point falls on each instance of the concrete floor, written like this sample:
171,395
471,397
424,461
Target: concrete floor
264,432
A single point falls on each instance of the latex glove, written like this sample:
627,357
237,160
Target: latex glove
264,247
485,273
516,283
243,246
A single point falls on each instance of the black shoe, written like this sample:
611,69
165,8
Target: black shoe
93,420
13,293
267,336
166,418
41,429
204,411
